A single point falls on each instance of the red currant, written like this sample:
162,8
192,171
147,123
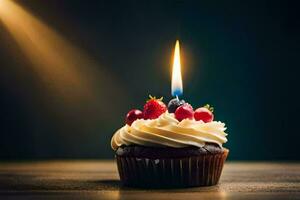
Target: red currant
184,112
133,115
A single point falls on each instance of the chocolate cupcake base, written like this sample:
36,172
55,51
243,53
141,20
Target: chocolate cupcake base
203,169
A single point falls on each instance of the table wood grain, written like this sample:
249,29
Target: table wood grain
99,180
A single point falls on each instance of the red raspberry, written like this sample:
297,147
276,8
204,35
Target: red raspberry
204,113
184,112
133,115
154,108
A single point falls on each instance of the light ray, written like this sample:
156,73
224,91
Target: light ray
67,72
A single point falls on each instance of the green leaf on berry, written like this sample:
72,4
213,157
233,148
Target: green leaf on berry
210,108
154,98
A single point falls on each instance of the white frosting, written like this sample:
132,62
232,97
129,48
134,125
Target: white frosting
168,131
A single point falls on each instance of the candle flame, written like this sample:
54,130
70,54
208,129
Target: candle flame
176,72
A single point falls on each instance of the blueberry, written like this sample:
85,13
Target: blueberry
174,104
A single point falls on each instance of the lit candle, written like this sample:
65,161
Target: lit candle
177,89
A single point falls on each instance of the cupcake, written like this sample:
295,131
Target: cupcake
167,147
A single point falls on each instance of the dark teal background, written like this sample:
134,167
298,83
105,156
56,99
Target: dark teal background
240,56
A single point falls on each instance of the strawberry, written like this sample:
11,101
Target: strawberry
154,108
204,113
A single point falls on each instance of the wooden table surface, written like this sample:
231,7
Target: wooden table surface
99,180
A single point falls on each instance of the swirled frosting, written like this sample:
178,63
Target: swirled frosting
168,131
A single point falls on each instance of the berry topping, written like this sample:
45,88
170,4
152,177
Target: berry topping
154,108
184,111
133,115
204,113
174,104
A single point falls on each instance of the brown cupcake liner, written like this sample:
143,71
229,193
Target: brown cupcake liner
203,170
